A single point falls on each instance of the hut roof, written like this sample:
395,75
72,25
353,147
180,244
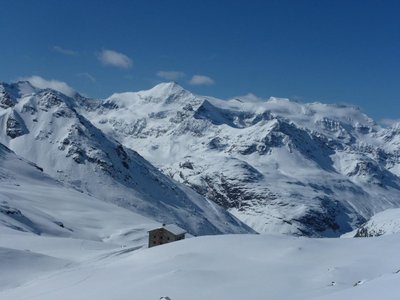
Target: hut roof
175,229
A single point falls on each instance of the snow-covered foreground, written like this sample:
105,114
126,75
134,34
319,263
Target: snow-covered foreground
208,267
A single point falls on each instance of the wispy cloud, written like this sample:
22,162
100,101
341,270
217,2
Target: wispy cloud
250,97
389,122
171,75
42,83
201,80
115,59
64,51
87,76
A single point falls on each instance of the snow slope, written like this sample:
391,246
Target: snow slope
33,203
19,266
45,127
280,166
228,267
385,287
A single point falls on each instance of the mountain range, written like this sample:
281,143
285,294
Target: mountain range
277,165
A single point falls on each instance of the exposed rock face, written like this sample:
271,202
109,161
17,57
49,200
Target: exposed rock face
15,126
6,96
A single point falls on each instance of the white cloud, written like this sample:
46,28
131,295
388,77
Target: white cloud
389,122
64,51
171,75
42,83
114,59
87,76
250,97
201,80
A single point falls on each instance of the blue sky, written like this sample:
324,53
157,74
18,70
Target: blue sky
329,51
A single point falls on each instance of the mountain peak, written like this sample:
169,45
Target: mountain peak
168,84
165,89
165,92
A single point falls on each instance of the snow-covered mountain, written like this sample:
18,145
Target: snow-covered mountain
45,127
383,223
280,166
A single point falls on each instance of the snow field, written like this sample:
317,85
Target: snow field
227,267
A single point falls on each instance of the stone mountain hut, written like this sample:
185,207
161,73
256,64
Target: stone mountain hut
165,234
